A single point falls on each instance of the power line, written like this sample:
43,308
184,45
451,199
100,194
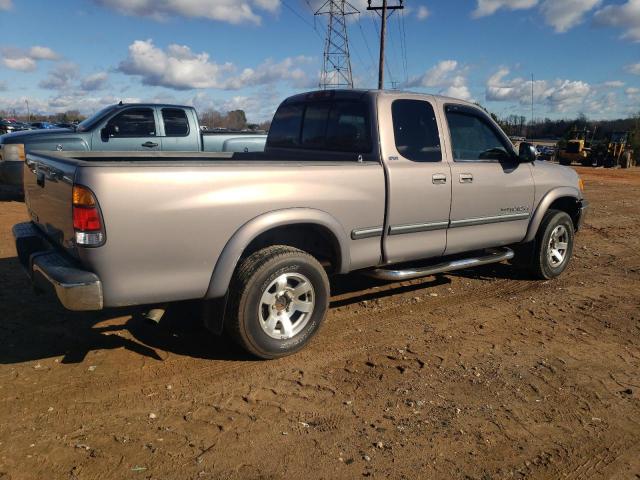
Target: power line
386,64
303,19
403,44
366,42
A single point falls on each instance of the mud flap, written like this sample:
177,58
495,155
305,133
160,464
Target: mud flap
213,312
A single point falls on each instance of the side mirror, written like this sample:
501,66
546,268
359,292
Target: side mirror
527,153
108,131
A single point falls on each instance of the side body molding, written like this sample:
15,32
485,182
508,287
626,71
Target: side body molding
232,251
544,205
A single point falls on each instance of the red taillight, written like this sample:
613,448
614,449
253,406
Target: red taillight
86,217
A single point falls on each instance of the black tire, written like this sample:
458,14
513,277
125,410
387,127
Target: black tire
251,281
564,161
541,266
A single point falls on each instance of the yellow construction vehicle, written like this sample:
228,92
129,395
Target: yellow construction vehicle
576,149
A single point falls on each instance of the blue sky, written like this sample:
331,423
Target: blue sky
250,54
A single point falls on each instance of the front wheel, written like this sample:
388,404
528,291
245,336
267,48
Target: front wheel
278,299
553,245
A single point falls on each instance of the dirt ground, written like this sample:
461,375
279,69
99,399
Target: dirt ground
481,374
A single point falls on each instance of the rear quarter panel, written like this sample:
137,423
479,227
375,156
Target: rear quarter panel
167,225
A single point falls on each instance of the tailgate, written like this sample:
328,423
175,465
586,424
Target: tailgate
48,190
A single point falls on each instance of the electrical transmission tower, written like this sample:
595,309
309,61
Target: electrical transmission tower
336,69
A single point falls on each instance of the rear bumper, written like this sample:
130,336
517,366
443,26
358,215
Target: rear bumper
49,269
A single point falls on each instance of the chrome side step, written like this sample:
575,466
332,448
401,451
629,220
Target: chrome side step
493,256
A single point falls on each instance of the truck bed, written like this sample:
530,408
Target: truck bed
173,213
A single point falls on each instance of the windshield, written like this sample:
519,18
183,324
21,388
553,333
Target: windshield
89,123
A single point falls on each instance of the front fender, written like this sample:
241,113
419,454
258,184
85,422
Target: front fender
543,206
231,253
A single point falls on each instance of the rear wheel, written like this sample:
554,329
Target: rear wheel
278,299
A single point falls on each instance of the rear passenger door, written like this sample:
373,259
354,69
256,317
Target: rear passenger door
176,130
419,196
131,129
492,192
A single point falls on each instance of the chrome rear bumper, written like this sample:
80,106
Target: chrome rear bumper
77,289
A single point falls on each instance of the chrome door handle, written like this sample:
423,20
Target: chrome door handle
149,144
466,178
439,178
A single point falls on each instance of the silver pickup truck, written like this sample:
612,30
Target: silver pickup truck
124,127
393,185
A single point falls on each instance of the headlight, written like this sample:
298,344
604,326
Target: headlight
12,152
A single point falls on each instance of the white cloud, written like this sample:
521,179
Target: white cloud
26,60
95,81
21,64
6,4
633,100
625,16
634,68
179,68
489,7
422,13
447,77
60,77
563,15
559,95
270,72
602,105
230,11
43,53
613,84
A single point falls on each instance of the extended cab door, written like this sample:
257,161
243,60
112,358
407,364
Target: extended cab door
179,130
419,178
492,192
131,129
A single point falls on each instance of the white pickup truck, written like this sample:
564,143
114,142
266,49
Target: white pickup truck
393,185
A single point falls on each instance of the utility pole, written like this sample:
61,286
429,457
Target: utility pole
28,111
383,32
336,68
532,101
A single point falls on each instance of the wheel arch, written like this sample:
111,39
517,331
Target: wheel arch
562,198
279,223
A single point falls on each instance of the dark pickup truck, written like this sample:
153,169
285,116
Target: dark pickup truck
124,127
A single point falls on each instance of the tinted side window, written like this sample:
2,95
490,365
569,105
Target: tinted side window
416,130
473,139
349,128
340,126
285,128
175,122
133,122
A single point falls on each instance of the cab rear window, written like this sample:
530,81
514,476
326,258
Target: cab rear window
339,126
